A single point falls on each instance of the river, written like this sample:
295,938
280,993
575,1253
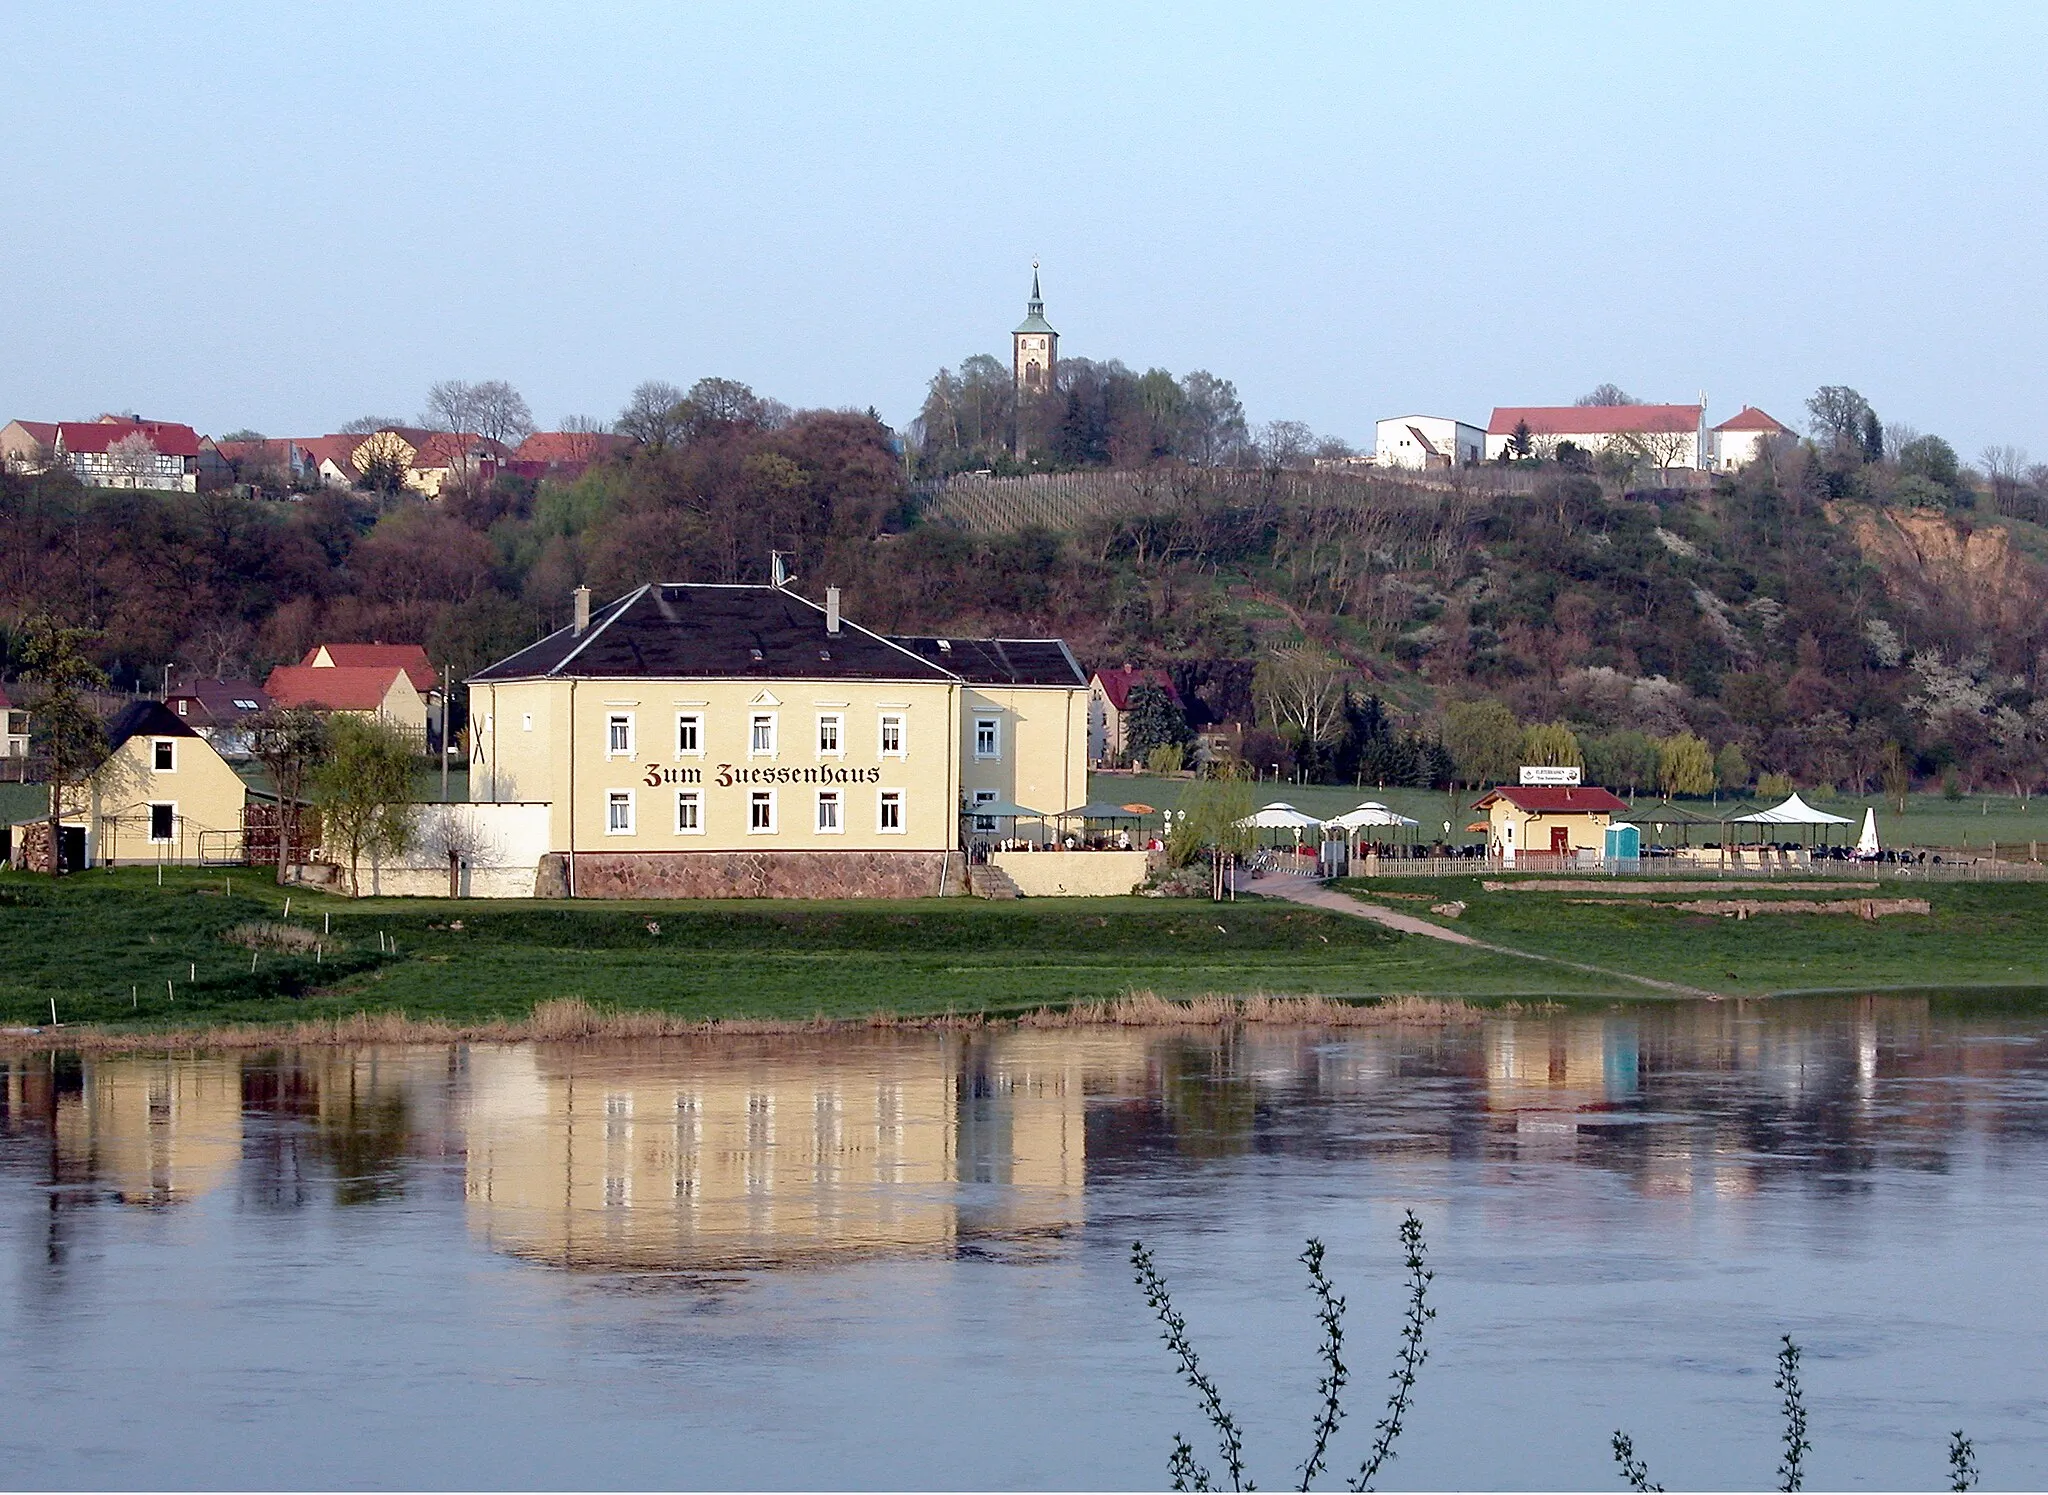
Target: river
897,1258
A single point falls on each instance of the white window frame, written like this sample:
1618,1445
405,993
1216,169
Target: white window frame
994,725
693,799
755,799
883,799
525,721
154,838
612,721
168,747
837,801
613,799
755,720
836,721
694,721
985,825
901,722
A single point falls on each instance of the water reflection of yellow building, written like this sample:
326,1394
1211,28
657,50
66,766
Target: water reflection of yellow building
155,1130
772,1150
1538,1067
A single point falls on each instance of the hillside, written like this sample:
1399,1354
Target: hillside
1810,618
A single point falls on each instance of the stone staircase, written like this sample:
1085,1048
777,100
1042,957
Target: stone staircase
988,881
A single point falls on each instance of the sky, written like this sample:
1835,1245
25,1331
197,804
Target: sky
283,217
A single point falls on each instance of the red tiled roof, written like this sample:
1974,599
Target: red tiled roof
1550,799
1752,419
43,431
452,448
1593,420
1118,684
338,688
412,658
335,449
169,439
568,446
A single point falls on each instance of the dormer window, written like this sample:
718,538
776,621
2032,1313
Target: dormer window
758,656
181,708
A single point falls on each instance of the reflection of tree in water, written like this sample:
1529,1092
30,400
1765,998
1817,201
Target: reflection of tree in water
1209,1100
364,1139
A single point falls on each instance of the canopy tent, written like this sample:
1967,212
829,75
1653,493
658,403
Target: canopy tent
1794,811
1662,816
1093,811
1372,812
1278,816
1003,809
1866,844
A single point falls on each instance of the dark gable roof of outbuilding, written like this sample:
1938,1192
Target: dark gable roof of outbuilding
700,631
1002,661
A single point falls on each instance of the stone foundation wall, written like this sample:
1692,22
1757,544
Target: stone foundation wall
752,874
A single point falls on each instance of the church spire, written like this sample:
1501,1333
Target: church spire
1036,306
1034,356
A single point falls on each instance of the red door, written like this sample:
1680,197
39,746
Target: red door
1560,840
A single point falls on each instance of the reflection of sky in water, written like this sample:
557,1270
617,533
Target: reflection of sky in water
899,1258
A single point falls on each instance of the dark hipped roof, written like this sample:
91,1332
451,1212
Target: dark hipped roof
1001,661
145,719
699,631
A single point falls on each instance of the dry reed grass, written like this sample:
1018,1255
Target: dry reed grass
573,1020
287,938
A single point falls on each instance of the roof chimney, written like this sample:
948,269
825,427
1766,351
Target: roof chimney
582,596
832,611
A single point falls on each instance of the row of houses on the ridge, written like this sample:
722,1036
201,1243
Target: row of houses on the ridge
1667,437
125,451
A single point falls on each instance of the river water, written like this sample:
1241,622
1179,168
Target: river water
901,1259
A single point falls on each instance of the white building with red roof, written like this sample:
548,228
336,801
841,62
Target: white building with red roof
115,451
1738,439
1562,820
1665,436
1109,704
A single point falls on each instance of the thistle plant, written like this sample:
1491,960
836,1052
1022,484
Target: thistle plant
1189,1473
1962,1462
1792,1471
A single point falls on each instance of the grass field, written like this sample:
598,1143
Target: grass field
1978,935
103,945
1975,821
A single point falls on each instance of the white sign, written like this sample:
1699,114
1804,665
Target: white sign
1534,774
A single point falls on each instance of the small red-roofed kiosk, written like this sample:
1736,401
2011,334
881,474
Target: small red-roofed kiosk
1547,820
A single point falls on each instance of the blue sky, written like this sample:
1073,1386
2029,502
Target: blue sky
283,216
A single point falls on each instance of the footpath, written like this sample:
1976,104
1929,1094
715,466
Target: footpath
1314,894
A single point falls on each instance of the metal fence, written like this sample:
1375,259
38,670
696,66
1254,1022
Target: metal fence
1935,868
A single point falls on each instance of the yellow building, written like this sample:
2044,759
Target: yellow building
163,795
1547,819
742,741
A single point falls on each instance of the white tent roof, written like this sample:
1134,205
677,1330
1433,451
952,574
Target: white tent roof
1279,815
1866,844
1372,812
1794,811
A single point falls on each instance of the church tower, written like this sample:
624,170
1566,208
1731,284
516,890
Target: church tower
1034,346
1034,354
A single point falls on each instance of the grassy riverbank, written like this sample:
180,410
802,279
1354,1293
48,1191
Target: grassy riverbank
1975,935
104,945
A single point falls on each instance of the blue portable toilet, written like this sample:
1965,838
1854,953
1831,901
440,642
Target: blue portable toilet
1624,843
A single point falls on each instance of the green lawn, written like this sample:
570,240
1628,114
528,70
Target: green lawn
1975,821
1979,935
103,945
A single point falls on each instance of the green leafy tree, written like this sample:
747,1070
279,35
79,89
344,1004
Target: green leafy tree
1731,767
1553,745
364,791
1485,741
1152,722
64,731
1210,811
1522,442
1685,765
291,742
1622,760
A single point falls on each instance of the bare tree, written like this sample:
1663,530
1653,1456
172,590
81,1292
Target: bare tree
652,417
366,425
132,461
1607,394
492,409
1663,450
1286,443
1300,688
